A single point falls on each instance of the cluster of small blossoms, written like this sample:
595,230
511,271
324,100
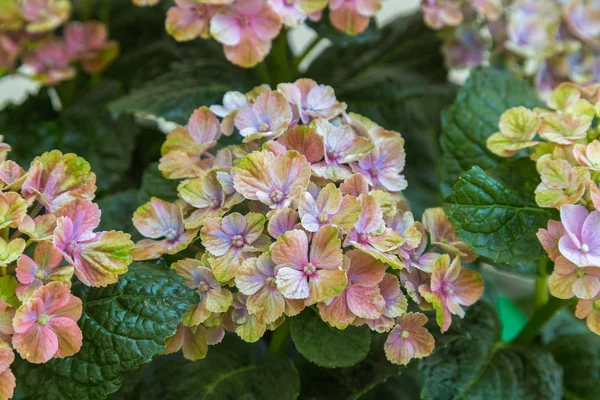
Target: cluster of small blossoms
553,41
568,162
246,28
306,211
48,234
28,37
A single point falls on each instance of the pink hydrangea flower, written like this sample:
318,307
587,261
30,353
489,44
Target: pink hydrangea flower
257,279
10,48
361,297
246,28
412,251
411,282
329,208
274,181
305,140
269,117
12,209
98,257
583,20
7,379
43,268
193,341
395,304
549,238
184,147
213,298
56,179
311,100
352,16
244,324
160,219
231,239
409,339
89,43
590,311
232,103
355,185
451,286
50,63
443,235
7,313
568,280
11,175
342,146
295,12
370,234
189,20
581,244
46,324
467,48
44,15
316,275
283,221
441,13
382,166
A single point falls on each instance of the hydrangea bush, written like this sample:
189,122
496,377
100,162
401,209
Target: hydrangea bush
333,222
547,41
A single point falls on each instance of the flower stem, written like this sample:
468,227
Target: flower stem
280,59
280,338
541,283
539,319
298,60
263,73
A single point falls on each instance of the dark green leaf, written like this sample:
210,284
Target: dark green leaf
495,213
230,371
117,210
177,93
325,29
579,356
326,346
474,117
154,184
123,326
481,367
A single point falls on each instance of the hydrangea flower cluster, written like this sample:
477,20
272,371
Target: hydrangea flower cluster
28,38
552,41
246,28
48,234
565,146
305,210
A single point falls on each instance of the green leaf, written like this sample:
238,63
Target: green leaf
117,211
326,346
325,29
405,44
474,117
123,326
481,367
232,370
579,356
154,184
8,287
495,213
177,93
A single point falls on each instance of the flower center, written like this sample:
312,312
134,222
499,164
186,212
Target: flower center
363,237
309,269
276,196
263,127
404,334
584,248
289,2
323,218
374,173
214,203
237,241
72,247
270,281
580,272
333,155
43,319
447,288
40,275
203,286
244,20
171,234
597,304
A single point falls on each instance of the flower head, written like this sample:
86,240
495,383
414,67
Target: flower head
561,182
518,127
89,43
311,100
589,310
315,275
230,240
160,219
269,117
295,12
361,298
395,304
193,341
283,221
44,15
581,244
568,280
50,63
188,20
352,16
246,28
245,325
232,103
382,166
12,209
46,324
329,208
451,286
439,14
409,339
443,235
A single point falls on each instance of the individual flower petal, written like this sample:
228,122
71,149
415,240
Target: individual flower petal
304,140
330,208
581,245
283,221
7,313
590,310
269,117
11,250
246,325
443,235
352,16
549,238
12,209
383,165
39,228
311,100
